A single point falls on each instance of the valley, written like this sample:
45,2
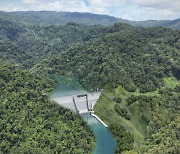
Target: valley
137,68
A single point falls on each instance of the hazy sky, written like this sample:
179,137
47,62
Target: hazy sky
127,9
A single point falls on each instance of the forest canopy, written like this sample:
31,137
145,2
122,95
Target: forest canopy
138,68
31,123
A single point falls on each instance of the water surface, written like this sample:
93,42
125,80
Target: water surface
105,143
67,90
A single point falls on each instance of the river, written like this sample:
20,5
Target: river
105,142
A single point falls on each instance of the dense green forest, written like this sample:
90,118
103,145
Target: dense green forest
30,44
31,123
152,117
138,68
138,59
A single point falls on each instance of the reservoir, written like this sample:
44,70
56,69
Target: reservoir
105,143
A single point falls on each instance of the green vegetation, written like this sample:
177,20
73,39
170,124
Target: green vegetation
46,18
138,68
122,112
31,123
134,62
105,109
29,44
171,82
135,58
150,117
123,138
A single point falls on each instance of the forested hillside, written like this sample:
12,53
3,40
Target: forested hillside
139,60
138,68
152,118
47,18
29,44
31,123
133,57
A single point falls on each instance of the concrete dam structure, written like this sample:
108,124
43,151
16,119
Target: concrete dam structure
80,103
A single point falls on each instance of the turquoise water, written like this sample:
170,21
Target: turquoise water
67,90
105,143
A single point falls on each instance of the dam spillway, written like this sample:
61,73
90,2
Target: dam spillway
81,103
64,94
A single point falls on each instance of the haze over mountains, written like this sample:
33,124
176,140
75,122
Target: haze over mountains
61,18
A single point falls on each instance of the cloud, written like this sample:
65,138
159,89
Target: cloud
9,8
156,9
65,5
156,3
106,3
70,6
152,3
62,5
31,1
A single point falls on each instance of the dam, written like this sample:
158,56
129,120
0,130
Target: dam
82,102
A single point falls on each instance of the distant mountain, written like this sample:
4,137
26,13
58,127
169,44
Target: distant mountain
62,18
174,24
26,42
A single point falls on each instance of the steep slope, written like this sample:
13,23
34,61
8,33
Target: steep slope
137,67
31,123
132,57
152,118
28,44
131,65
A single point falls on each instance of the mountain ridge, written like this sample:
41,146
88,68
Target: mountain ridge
138,68
62,18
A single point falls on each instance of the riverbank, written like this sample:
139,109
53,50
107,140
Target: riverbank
99,120
105,142
105,109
